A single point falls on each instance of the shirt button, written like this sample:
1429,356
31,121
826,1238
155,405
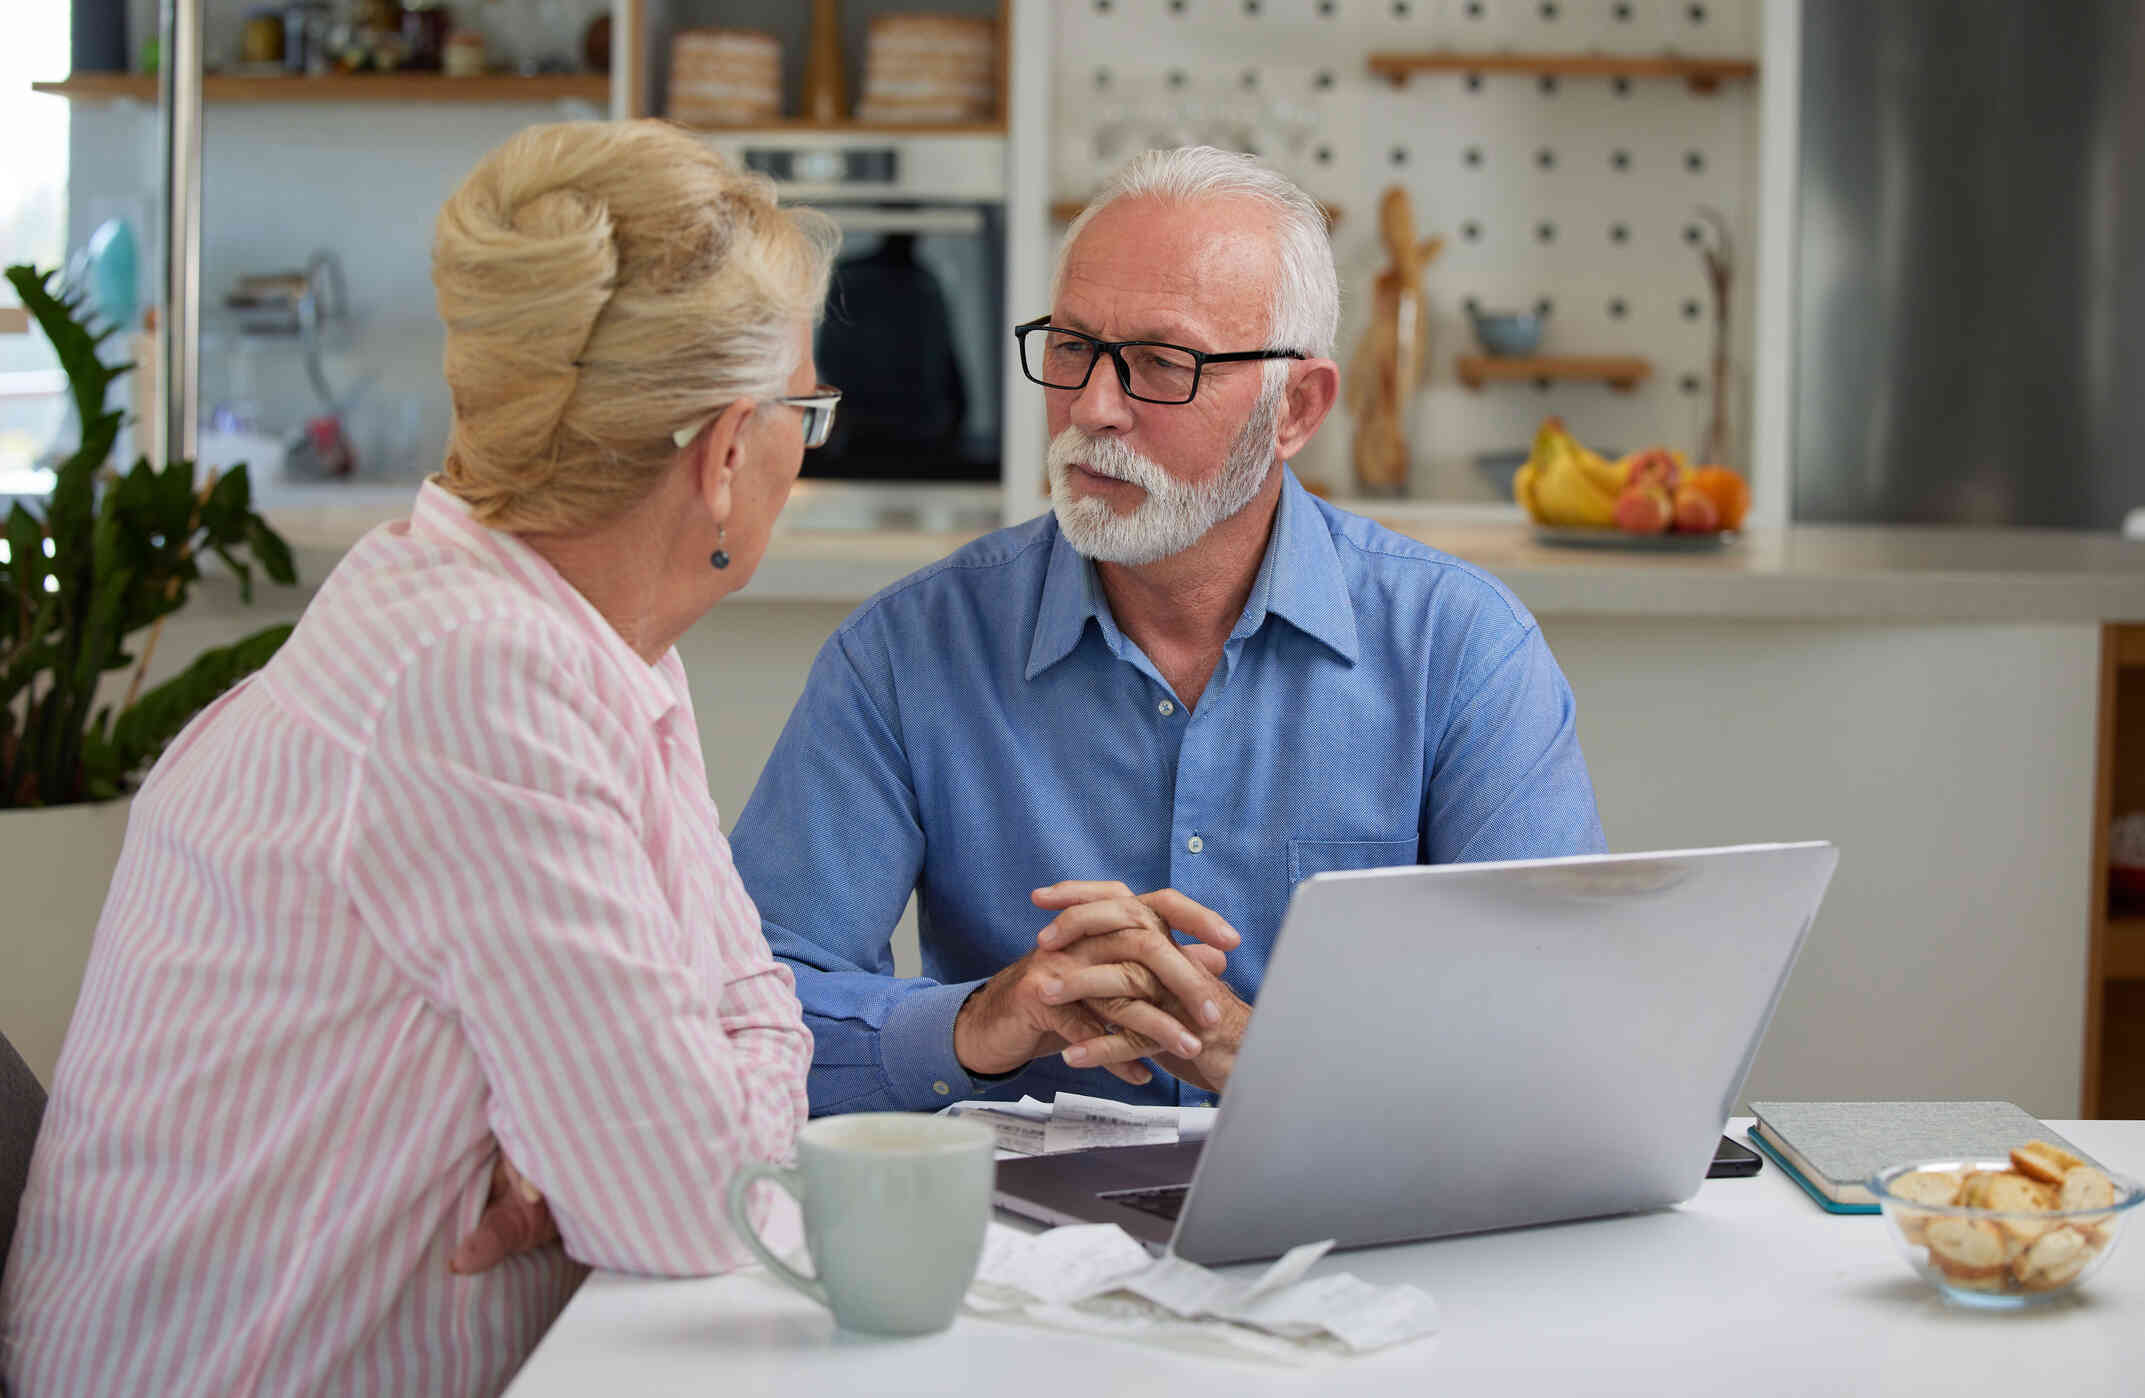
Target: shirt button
1195,844
941,1088
1165,708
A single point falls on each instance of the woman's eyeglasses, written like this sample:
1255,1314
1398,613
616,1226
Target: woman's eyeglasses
817,406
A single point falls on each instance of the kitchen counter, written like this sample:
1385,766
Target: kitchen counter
1799,572
1805,572
1818,572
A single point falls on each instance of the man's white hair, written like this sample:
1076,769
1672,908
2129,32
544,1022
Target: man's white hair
1306,309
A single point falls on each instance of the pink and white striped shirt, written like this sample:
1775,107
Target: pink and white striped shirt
443,878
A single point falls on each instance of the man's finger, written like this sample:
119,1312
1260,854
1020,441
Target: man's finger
1140,1031
1194,919
1066,892
1194,988
1098,917
1206,958
1148,1023
1110,981
1075,1024
1122,1047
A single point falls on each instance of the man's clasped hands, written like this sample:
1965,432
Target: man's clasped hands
1107,985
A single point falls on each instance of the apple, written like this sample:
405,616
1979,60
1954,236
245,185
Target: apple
1696,512
1644,508
1656,466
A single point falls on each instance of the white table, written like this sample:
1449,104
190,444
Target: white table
1748,1289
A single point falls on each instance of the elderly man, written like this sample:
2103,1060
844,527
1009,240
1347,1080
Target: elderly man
1191,678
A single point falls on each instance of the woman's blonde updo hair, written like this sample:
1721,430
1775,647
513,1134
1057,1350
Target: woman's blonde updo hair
605,284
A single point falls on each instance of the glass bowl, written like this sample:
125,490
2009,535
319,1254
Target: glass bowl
1999,1259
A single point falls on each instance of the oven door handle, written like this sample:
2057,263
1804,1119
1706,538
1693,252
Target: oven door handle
955,222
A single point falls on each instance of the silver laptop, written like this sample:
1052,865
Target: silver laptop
1460,1047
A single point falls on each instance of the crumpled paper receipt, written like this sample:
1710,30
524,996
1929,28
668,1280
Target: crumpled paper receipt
1096,1278
1077,1122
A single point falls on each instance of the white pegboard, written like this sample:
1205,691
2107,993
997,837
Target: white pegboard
1578,191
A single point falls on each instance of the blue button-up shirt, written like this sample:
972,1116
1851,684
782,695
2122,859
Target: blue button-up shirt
983,727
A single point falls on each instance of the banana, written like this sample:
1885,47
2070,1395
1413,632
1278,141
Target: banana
1606,475
1523,491
1563,483
1568,496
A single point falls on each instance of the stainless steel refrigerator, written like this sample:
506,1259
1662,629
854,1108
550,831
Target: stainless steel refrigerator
1970,262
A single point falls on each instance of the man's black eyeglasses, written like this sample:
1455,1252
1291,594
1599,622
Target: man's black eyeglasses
1148,370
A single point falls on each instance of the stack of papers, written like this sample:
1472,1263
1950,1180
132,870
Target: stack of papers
1097,1279
1074,1122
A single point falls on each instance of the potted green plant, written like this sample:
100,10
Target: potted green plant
108,557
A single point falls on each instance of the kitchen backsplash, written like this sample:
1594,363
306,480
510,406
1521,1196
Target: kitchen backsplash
1579,192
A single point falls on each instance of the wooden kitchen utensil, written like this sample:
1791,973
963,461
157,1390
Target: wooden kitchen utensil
1389,360
1719,255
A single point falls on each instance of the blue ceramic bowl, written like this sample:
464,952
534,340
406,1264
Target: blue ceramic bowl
1508,333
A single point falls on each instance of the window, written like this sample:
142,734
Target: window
33,229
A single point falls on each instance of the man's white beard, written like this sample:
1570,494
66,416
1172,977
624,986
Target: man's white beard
1175,515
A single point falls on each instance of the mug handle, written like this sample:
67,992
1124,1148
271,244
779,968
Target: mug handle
741,1219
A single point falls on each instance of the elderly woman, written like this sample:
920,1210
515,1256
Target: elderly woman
444,881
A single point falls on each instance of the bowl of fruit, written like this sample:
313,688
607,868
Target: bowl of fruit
1646,499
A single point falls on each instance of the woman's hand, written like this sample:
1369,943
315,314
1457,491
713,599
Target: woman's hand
516,1219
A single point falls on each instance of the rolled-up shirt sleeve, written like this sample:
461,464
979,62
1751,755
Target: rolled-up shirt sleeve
498,847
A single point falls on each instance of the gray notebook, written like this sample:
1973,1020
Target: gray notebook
1837,1146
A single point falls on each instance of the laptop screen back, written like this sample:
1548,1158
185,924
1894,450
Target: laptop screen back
1454,1048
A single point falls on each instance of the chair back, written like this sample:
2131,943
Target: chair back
22,1107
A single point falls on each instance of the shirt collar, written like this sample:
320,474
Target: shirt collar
1300,578
1299,581
440,515
1071,596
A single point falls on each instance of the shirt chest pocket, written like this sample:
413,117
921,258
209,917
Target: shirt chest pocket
1308,857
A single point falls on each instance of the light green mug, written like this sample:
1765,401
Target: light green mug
895,1207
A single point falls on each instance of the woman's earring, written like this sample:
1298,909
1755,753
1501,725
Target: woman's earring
721,557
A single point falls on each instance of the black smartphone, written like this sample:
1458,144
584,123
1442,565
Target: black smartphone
1733,1158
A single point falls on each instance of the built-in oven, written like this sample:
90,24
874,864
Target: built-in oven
915,329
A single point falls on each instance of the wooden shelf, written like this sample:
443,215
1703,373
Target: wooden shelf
1703,74
793,126
343,87
1066,210
1620,372
2124,958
